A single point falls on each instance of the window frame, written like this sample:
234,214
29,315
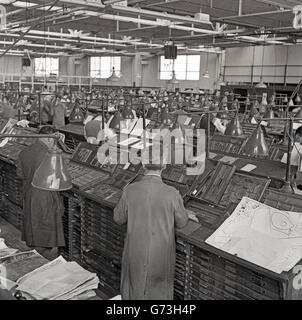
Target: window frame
97,73
187,72
44,72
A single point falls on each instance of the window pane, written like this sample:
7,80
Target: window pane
165,75
180,75
101,67
46,66
193,63
165,64
187,67
180,63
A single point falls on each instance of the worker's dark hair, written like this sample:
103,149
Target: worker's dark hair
47,130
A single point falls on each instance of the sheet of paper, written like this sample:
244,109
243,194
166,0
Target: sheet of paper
248,168
129,141
261,234
129,126
187,122
264,123
227,159
58,280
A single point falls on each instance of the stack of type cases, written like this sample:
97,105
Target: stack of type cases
65,219
180,270
12,213
209,276
103,245
13,188
72,225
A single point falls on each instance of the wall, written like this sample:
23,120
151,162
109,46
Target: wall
132,70
282,64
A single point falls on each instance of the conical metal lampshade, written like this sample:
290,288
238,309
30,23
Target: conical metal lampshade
52,174
234,128
299,113
92,128
76,114
206,75
285,100
269,114
261,85
113,77
220,81
117,121
298,99
173,79
291,103
256,144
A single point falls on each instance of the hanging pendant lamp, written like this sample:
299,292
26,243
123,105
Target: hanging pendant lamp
173,79
261,84
285,100
117,121
206,75
256,145
234,128
113,77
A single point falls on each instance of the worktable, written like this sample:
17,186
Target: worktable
202,272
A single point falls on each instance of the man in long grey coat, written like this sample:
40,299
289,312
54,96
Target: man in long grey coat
151,210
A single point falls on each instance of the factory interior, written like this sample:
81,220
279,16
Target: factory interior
88,88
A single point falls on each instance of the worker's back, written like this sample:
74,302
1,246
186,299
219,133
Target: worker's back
151,210
151,204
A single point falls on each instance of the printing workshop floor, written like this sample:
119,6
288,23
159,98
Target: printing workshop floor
12,237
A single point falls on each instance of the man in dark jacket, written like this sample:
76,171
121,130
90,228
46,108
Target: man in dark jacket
151,210
42,225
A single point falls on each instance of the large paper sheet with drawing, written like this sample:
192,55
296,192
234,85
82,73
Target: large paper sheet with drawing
263,235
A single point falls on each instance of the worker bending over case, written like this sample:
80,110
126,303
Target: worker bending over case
151,210
42,225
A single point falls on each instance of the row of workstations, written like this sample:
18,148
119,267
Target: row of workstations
202,272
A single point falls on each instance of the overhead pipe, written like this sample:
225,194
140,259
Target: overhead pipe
138,11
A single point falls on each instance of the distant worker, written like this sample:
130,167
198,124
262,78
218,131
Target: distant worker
59,110
43,210
151,210
46,110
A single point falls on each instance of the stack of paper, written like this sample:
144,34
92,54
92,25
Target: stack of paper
58,280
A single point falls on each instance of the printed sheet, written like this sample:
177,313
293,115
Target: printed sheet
260,234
